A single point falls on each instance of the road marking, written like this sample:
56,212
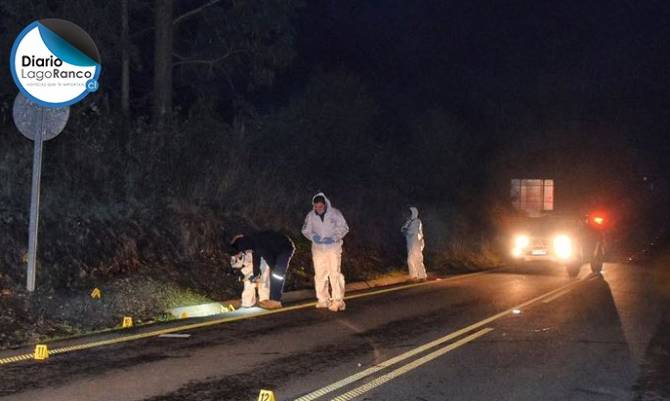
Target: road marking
409,367
383,365
553,297
440,280
358,376
194,326
141,336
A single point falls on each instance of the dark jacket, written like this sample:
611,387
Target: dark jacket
264,244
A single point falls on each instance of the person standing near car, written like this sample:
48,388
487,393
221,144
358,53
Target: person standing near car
325,227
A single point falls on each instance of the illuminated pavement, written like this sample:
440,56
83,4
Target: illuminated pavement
524,334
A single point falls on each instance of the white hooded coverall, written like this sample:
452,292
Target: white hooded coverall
413,230
327,258
263,284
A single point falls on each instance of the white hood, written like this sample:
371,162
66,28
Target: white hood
328,205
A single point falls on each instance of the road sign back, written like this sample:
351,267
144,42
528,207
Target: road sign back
28,118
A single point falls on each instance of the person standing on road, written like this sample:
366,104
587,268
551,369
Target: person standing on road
276,249
413,231
325,227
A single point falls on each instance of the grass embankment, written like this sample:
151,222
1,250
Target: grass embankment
147,262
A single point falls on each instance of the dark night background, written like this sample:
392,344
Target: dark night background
380,104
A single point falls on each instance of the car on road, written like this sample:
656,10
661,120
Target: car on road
558,239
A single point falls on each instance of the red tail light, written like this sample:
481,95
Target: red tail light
598,220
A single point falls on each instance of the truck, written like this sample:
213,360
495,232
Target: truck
541,234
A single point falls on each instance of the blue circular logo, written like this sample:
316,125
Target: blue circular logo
55,63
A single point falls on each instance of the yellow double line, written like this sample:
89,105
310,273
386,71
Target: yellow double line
413,365
409,367
209,323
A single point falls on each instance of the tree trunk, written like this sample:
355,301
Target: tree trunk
125,62
162,106
127,185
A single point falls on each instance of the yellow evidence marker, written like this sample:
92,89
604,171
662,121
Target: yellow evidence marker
41,352
231,308
127,322
183,315
96,293
266,395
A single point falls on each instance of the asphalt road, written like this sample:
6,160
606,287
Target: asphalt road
514,334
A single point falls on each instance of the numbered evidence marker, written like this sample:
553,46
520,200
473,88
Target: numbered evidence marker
39,124
41,352
266,395
127,322
96,293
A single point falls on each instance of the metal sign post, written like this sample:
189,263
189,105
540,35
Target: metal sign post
35,205
39,124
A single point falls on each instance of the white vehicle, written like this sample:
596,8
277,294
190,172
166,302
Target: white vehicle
542,235
549,239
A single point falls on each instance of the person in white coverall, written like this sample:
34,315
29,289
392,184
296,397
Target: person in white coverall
325,227
269,253
413,231
244,262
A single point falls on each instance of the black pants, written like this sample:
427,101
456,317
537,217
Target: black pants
278,274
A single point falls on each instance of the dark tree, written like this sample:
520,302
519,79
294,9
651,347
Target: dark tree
125,61
162,101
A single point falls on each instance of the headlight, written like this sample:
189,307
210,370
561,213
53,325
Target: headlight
521,242
563,246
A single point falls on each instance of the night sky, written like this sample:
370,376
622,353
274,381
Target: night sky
522,67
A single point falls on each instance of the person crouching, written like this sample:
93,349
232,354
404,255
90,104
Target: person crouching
276,250
244,262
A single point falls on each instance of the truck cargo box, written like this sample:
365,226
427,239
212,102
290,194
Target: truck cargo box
534,196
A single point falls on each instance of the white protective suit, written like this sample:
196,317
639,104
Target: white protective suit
263,284
413,230
327,258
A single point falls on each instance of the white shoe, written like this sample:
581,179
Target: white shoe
337,306
322,304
